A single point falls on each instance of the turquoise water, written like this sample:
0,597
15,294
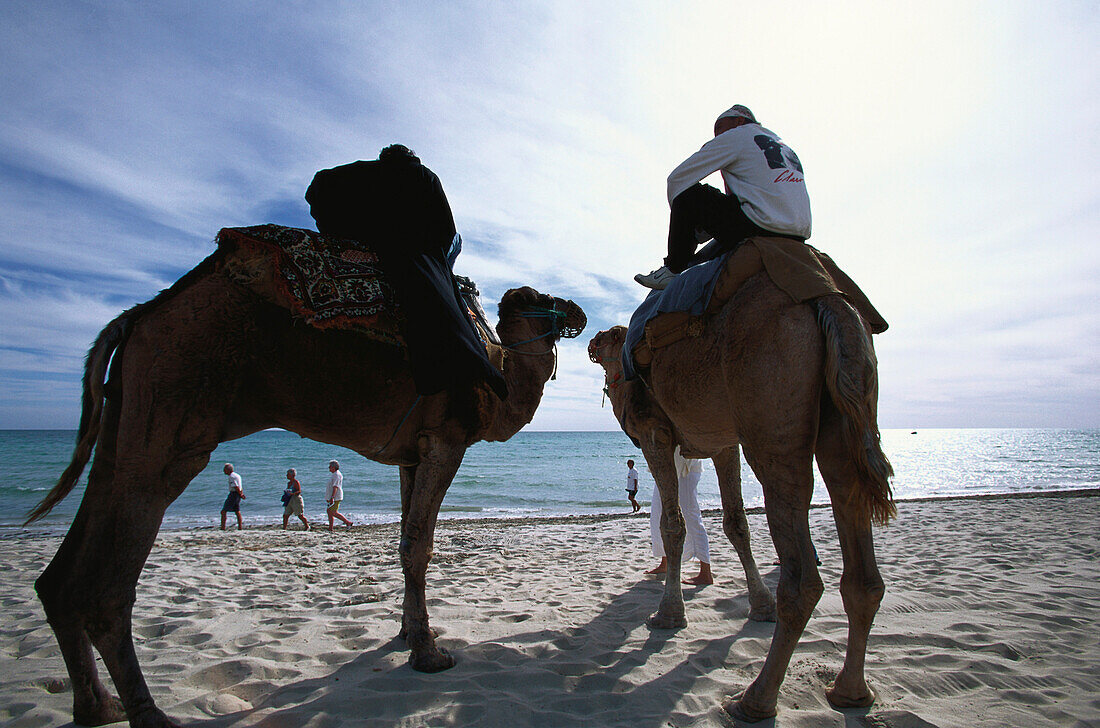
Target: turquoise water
541,474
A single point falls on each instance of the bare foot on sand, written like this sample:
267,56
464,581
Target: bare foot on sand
704,576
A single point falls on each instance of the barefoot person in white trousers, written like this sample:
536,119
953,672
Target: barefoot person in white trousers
696,545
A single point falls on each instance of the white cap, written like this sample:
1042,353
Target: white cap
737,110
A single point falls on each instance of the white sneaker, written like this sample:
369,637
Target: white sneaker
658,280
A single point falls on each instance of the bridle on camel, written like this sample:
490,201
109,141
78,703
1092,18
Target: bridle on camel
595,358
557,319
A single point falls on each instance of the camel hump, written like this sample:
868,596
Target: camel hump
682,310
798,269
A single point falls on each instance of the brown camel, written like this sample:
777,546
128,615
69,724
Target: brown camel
208,361
787,382
642,418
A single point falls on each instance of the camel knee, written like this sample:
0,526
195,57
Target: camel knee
865,593
795,601
673,530
735,527
414,554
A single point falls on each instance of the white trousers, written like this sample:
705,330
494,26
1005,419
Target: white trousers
696,545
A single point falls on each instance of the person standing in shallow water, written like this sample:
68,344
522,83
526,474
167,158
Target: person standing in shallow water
632,486
334,494
236,495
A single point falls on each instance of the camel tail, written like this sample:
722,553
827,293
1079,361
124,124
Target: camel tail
851,376
110,340
91,411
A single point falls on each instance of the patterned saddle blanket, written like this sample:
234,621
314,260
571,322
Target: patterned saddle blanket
326,282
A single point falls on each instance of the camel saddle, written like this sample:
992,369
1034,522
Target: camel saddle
329,283
798,269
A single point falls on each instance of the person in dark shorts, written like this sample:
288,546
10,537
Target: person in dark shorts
236,495
632,486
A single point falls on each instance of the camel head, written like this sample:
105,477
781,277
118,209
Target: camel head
607,346
529,328
529,316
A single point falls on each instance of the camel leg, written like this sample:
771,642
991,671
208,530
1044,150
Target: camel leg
89,590
728,466
788,484
861,585
408,479
422,491
658,455
92,702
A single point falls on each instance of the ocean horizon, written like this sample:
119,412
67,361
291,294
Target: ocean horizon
540,474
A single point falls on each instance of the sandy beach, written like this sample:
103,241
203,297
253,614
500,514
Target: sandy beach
991,618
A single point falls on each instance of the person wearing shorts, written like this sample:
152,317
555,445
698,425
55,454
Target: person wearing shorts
236,495
335,494
295,505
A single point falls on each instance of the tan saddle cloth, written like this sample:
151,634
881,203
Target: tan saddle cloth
798,269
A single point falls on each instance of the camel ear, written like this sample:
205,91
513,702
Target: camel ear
613,340
607,345
515,298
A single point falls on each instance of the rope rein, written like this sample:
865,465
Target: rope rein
557,320
399,424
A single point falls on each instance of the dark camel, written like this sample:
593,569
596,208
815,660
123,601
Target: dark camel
208,361
786,382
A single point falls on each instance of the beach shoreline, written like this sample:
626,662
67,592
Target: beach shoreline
988,620
7,532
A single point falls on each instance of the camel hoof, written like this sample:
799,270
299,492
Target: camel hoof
765,614
662,621
436,661
845,701
403,635
108,711
152,718
739,709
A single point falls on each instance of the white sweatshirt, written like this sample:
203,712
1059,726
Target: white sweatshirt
762,171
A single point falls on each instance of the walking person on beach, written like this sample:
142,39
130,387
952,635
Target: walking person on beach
632,486
293,504
696,544
236,495
335,493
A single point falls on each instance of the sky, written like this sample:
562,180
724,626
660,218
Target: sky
950,152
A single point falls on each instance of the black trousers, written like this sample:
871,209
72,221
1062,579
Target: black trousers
701,206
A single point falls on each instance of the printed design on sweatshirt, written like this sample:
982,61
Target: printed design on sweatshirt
778,154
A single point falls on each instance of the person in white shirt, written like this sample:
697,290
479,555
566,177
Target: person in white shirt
765,193
696,543
334,494
236,495
632,487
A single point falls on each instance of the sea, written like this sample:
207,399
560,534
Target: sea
536,475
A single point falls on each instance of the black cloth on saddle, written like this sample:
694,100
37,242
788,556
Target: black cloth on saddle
398,207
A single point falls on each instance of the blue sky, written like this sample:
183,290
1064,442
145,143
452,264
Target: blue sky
950,153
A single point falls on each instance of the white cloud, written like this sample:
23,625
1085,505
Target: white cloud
949,149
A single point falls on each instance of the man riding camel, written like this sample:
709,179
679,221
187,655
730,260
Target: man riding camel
765,194
397,206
